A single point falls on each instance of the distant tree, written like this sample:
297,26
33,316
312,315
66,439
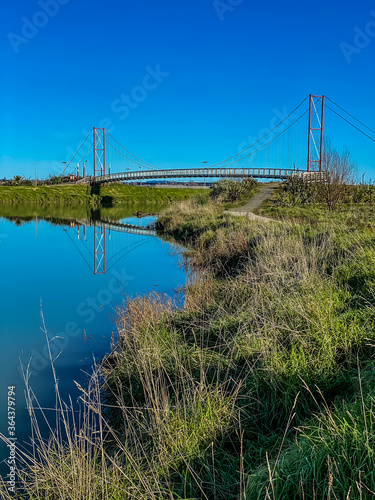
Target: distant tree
340,173
17,180
55,179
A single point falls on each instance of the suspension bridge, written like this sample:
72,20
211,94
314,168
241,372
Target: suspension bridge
292,147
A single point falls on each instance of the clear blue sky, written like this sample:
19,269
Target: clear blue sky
223,71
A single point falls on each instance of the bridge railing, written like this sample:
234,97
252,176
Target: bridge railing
273,173
311,176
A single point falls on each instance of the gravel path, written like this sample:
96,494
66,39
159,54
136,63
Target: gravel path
255,202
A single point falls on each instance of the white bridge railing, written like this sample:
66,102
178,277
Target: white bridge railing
260,173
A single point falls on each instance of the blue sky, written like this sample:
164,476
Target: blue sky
224,69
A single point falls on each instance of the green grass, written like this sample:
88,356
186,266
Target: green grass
333,455
107,195
349,215
260,387
45,194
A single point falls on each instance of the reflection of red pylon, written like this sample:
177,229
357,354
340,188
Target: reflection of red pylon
99,151
99,250
315,140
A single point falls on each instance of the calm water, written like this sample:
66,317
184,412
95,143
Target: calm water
47,263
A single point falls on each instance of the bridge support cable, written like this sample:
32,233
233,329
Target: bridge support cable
127,157
352,124
72,240
259,141
76,153
263,146
132,157
115,145
128,250
347,112
82,160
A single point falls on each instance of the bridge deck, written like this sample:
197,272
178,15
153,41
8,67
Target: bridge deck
259,173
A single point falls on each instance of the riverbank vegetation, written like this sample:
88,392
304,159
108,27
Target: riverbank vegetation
233,191
79,195
260,387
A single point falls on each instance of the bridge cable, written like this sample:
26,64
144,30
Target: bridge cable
249,154
71,239
85,153
77,152
144,163
85,245
125,248
218,163
152,166
256,142
264,145
131,159
350,123
139,245
347,112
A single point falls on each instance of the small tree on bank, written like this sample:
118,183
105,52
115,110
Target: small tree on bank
340,173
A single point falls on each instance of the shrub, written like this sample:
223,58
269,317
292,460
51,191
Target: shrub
231,190
297,192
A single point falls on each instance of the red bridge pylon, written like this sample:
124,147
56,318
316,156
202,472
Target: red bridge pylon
315,139
99,151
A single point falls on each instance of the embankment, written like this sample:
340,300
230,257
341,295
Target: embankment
78,195
262,386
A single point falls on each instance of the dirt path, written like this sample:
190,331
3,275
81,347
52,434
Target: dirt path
255,202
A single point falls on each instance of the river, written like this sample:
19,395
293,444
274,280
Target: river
52,265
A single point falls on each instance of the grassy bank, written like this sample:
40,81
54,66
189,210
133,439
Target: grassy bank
260,387
107,195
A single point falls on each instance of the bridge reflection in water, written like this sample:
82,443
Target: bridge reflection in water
120,227
103,255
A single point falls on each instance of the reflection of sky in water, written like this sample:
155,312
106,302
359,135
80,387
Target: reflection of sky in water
49,265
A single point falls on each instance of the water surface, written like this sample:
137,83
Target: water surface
47,265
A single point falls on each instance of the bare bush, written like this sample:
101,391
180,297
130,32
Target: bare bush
340,173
